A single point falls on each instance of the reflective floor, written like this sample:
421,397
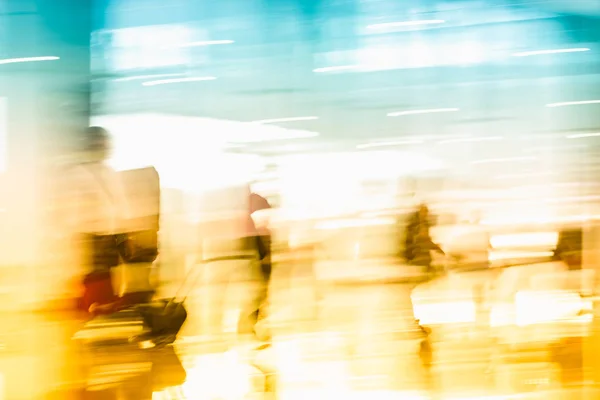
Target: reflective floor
349,341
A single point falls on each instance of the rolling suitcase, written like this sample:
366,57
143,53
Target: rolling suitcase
158,321
164,318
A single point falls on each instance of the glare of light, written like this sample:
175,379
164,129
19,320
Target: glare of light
399,24
583,135
143,77
554,51
467,140
502,160
421,55
524,175
446,312
162,395
171,393
469,53
230,320
536,307
28,59
426,111
518,396
206,43
275,136
217,376
354,223
335,68
573,103
179,80
502,314
512,255
291,119
386,144
525,240
542,220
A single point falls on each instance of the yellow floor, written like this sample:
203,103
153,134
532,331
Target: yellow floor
354,341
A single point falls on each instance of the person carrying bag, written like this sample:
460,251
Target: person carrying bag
94,209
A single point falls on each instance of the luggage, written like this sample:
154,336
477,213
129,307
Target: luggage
159,321
164,318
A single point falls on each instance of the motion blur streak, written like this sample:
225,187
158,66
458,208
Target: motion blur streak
28,59
556,51
179,80
573,103
416,112
406,23
299,199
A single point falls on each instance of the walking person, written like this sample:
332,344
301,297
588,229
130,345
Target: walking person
260,237
93,212
418,241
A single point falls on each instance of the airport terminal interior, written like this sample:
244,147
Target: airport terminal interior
299,199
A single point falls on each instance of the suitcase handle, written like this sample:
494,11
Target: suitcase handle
190,273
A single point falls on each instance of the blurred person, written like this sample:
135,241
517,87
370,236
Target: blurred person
91,204
569,247
138,242
418,242
260,236
93,213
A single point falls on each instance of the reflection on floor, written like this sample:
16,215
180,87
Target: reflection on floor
352,342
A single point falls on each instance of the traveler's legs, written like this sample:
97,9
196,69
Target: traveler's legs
256,305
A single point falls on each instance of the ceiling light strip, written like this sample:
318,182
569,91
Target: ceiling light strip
290,119
179,80
335,68
143,77
553,51
28,59
400,24
583,135
427,111
391,143
467,140
573,103
207,43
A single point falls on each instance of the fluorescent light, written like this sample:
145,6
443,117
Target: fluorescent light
524,175
428,111
391,143
206,43
406,23
143,77
573,103
555,51
336,68
479,139
179,80
276,120
583,135
274,136
28,59
502,160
